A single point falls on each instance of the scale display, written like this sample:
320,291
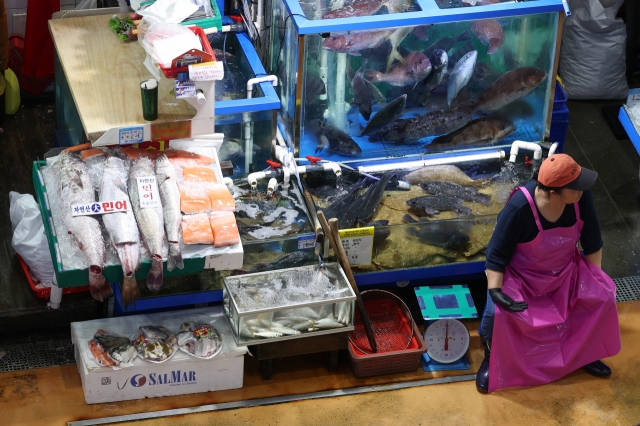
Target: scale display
447,340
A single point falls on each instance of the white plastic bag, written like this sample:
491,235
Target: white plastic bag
592,58
87,4
165,42
29,239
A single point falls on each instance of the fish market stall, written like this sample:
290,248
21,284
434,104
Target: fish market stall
408,78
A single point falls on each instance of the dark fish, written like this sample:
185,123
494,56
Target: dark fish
413,69
292,260
386,115
219,54
446,43
244,229
450,189
431,205
439,61
372,198
510,87
341,204
459,53
336,140
313,86
379,234
430,124
438,233
510,58
421,32
349,216
361,95
479,131
353,43
489,32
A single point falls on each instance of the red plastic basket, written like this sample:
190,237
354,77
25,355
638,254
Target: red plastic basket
41,291
206,46
33,85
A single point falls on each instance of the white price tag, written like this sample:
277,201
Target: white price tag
148,192
633,99
130,135
211,261
206,71
103,207
306,242
358,245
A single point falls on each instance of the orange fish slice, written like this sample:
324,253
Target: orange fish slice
225,229
194,199
221,199
101,356
77,148
183,158
199,174
196,229
88,153
133,153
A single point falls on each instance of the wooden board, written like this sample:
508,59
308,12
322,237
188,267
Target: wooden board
104,75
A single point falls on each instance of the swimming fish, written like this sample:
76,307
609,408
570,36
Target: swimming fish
357,8
489,32
446,43
445,172
353,43
386,115
334,139
291,260
510,87
411,70
372,198
439,61
430,124
443,234
461,74
479,131
450,189
361,95
313,86
432,205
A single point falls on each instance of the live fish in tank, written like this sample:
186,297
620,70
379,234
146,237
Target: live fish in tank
353,43
357,8
450,189
510,87
439,62
385,115
489,32
335,140
461,75
432,205
445,172
438,233
414,68
421,32
486,130
291,260
446,43
313,86
429,124
361,95
372,198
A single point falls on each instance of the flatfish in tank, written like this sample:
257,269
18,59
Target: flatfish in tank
432,205
334,139
386,115
510,87
443,234
450,189
489,32
447,172
430,124
479,131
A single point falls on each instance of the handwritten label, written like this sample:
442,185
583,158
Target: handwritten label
103,207
130,135
306,242
358,245
206,71
148,192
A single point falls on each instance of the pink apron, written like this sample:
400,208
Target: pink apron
572,319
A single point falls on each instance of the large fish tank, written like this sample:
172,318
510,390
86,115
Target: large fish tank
320,61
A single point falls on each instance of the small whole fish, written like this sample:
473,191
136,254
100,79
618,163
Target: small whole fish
455,56
438,233
446,43
313,86
121,226
353,43
76,188
361,95
489,32
111,350
150,220
170,196
432,205
450,189
372,198
219,54
334,139
386,115
439,61
413,69
461,74
510,87
420,31
445,172
430,124
480,131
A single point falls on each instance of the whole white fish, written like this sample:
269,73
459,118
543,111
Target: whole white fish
170,196
76,188
150,221
122,226
461,74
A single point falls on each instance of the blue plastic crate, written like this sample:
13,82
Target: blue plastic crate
559,97
560,115
558,133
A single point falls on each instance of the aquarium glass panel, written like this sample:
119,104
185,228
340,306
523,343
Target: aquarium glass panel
326,9
428,89
452,4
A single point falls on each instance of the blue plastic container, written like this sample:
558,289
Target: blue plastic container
559,97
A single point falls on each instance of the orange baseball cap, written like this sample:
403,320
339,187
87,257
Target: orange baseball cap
560,170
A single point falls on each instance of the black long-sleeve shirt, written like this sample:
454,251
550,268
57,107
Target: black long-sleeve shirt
516,225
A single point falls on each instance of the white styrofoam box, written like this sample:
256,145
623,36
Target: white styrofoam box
17,22
182,374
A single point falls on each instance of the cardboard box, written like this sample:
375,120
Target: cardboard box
182,374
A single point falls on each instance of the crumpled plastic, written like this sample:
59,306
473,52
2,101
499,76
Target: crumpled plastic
169,11
165,42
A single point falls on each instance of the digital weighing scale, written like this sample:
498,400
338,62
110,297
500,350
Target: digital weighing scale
447,338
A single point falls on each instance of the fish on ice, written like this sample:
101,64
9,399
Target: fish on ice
170,197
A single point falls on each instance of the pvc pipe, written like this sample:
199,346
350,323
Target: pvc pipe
280,139
248,140
516,145
271,186
323,70
287,177
253,178
498,154
56,295
333,167
552,149
260,16
272,78
339,110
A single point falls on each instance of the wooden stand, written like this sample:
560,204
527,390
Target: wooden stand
331,343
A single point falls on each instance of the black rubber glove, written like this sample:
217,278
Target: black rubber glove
499,298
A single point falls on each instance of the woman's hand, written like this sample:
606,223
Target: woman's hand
499,298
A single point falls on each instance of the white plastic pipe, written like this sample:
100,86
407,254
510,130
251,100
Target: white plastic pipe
287,177
517,145
260,16
552,149
252,81
271,186
253,178
498,154
280,139
339,110
56,295
228,181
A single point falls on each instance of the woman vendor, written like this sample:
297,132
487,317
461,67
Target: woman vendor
550,309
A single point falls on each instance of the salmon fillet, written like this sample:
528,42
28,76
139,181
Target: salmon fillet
220,197
100,355
196,229
92,152
194,199
199,174
179,157
133,153
225,229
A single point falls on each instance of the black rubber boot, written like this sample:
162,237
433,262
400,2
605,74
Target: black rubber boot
482,376
598,369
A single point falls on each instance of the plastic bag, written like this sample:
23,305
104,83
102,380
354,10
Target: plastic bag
169,11
29,239
87,4
592,58
165,42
